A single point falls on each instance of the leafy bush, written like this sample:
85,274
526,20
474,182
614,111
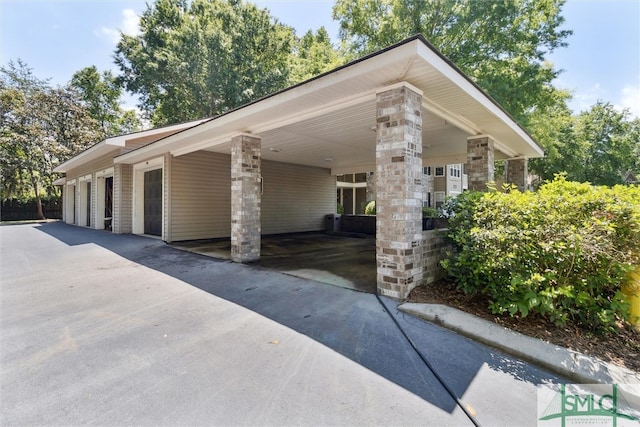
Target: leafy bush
339,209
561,253
370,209
430,212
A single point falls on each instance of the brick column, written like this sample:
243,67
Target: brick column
122,198
399,190
371,187
480,167
245,198
517,173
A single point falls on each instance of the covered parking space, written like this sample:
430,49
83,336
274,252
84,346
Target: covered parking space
270,167
345,261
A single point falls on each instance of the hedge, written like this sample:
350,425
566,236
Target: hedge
561,253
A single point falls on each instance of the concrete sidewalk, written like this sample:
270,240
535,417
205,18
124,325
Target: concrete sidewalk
110,329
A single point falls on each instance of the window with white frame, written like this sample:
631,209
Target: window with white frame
439,171
426,203
455,170
426,170
438,197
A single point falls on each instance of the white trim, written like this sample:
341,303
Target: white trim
84,217
400,85
71,182
456,120
105,172
459,80
69,204
355,169
137,211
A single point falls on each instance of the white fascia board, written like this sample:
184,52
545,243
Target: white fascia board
459,80
92,153
60,181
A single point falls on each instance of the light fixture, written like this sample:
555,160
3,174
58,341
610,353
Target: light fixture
328,159
275,150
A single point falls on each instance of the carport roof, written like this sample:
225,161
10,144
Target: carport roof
329,121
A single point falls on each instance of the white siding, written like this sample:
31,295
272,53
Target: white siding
200,196
296,198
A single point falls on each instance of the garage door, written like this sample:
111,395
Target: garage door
153,202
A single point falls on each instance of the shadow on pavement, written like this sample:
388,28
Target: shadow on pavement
351,323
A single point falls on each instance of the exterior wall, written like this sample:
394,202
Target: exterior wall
122,198
434,249
296,198
103,162
94,200
200,196
166,197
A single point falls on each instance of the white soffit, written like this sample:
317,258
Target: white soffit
331,117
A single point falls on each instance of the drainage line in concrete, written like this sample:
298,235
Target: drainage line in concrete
428,364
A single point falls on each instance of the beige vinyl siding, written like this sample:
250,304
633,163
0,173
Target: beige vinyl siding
122,198
200,196
166,198
99,164
296,198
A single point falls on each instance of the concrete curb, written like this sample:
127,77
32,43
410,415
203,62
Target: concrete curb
568,363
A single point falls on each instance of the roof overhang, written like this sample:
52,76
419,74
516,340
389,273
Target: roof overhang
117,144
329,121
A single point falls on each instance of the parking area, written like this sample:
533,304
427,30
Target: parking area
348,262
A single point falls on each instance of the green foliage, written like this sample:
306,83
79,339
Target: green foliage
40,127
313,55
598,145
102,94
339,209
202,58
560,253
500,44
430,212
370,209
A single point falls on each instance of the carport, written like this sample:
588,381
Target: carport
270,167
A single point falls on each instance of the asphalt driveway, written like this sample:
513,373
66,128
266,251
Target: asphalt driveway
106,329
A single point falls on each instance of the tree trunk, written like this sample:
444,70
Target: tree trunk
34,181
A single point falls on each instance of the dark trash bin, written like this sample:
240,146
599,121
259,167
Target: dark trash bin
332,223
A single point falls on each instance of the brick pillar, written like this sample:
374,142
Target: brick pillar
480,167
399,190
122,199
371,187
245,198
517,173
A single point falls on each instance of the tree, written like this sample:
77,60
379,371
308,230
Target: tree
609,140
598,145
313,55
102,93
202,58
500,44
40,126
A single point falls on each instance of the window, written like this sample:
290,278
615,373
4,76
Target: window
439,170
426,170
439,199
427,203
455,170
